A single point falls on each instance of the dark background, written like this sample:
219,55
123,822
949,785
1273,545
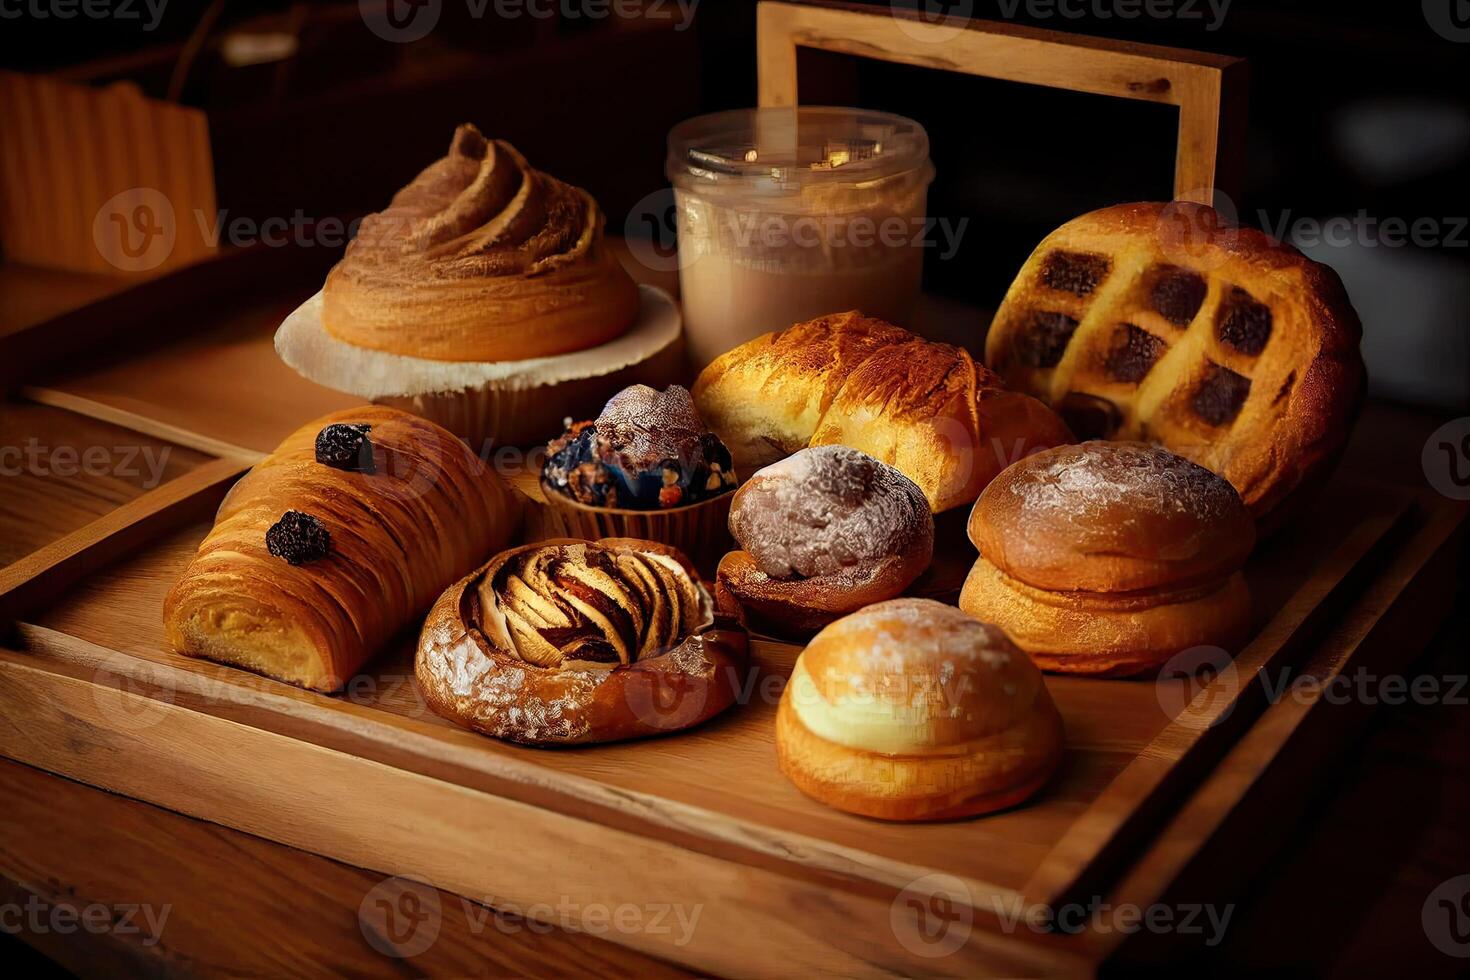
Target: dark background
1354,110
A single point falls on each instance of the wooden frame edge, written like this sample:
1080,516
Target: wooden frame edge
479,845
51,569
1209,90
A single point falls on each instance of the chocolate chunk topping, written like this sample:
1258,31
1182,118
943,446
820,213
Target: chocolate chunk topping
299,538
1088,416
1075,272
1177,294
1220,395
1044,339
1243,323
346,446
1134,352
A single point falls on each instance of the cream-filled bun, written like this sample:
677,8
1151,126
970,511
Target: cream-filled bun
912,710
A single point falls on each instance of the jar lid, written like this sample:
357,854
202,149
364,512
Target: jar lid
782,151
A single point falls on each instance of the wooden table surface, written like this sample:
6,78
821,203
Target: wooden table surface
1343,899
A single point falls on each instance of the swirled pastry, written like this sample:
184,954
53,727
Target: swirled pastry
823,532
571,641
481,258
334,543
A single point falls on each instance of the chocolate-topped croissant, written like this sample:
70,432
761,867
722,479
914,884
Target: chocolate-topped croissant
569,641
481,258
334,543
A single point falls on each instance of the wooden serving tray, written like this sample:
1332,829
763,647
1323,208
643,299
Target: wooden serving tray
1156,771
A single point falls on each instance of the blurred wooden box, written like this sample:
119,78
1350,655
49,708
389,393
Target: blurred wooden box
102,180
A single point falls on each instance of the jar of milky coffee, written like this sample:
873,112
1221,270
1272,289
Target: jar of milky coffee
789,214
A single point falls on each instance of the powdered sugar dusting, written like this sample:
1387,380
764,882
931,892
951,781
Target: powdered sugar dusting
648,425
958,639
826,511
1084,479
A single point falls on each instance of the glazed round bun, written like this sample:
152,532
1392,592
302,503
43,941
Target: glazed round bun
821,533
1108,634
911,710
1111,517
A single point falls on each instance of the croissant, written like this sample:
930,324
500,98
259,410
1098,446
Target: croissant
334,543
567,641
927,409
481,258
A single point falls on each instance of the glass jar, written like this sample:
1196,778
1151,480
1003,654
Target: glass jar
789,214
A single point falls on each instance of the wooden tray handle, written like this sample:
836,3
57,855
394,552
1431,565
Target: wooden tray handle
1209,89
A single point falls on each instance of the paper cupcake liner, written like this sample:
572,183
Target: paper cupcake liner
699,530
533,416
506,403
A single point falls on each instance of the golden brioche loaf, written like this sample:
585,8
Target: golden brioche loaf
481,258
381,547
924,408
1110,557
1161,322
571,642
911,710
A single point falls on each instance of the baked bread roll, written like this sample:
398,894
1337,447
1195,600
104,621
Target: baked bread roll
1160,322
1109,558
334,543
480,258
566,642
927,409
822,533
911,710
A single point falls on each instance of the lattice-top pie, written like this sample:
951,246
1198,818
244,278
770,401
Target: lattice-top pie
1165,323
